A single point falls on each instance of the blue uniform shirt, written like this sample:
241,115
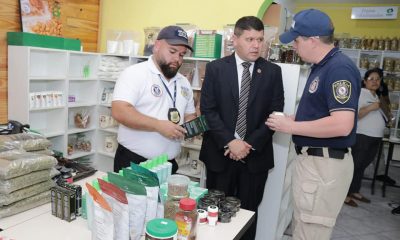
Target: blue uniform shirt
333,85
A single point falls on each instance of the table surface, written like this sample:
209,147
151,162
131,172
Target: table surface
39,223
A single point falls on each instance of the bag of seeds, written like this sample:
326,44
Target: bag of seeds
13,184
26,141
25,204
103,226
7,199
120,210
152,190
137,203
18,165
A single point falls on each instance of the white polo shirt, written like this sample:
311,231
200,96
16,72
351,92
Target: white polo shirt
372,124
141,86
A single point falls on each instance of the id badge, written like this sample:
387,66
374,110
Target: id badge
173,115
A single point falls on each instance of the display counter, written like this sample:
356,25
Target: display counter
39,223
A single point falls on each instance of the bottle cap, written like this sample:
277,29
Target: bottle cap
161,228
187,204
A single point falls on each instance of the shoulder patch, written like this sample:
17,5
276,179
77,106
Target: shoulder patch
341,91
185,92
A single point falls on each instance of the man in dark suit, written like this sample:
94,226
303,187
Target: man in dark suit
238,94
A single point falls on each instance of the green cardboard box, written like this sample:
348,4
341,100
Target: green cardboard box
37,40
207,45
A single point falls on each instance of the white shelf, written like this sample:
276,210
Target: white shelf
81,104
108,154
110,130
105,105
48,78
191,146
186,170
80,154
82,79
108,80
79,130
46,108
49,134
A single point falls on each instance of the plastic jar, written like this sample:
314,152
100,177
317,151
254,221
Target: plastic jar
186,219
171,207
178,186
161,229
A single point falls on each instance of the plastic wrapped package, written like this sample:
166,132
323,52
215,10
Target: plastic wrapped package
25,204
12,153
19,152
25,163
13,184
6,199
47,152
26,141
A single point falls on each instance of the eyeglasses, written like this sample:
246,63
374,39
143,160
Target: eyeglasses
373,79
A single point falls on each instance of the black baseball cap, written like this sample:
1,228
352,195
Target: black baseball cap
174,35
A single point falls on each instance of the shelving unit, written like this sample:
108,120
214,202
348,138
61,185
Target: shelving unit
357,55
80,77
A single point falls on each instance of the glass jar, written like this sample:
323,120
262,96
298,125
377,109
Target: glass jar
388,43
396,67
282,57
364,63
186,219
381,44
275,52
374,44
373,62
290,55
388,64
356,43
394,44
150,37
364,43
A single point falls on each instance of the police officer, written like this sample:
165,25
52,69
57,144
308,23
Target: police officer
324,127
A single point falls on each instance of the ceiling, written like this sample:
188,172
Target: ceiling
350,1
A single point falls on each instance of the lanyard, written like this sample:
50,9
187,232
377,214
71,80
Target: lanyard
169,93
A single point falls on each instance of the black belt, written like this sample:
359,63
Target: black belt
337,153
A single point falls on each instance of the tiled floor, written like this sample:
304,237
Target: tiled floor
372,221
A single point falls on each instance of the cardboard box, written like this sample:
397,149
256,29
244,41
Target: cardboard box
37,40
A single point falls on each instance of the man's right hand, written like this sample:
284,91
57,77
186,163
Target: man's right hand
170,130
238,149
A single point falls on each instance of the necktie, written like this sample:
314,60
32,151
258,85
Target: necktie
243,98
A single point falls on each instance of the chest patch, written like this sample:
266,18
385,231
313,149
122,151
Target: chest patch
156,90
314,85
341,91
185,92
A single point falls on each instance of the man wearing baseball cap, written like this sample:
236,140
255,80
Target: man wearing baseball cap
324,127
151,100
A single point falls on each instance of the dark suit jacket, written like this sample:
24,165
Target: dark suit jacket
220,104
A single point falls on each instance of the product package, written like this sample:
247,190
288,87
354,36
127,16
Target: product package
195,127
137,203
120,209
